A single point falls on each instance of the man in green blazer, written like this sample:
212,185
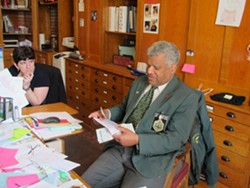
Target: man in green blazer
143,158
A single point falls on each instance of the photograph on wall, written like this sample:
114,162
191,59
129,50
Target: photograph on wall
151,18
230,12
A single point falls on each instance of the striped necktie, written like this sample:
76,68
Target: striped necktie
141,107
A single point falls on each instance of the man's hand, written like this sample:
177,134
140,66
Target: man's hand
127,137
98,114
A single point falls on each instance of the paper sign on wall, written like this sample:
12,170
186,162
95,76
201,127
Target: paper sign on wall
230,12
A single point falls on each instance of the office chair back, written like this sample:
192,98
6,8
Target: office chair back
57,91
178,177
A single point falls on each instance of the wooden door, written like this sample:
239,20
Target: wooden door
174,26
205,42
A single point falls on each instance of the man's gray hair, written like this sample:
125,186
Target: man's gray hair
172,53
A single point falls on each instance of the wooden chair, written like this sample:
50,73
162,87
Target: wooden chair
180,179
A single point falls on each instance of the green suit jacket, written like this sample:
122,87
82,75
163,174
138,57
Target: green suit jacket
177,105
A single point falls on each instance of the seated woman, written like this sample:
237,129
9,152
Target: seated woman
36,82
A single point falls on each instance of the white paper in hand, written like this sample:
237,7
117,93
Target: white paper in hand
103,135
110,125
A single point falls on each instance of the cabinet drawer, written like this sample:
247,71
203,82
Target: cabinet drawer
78,82
78,97
106,93
109,84
229,114
76,74
230,128
102,101
107,76
231,144
78,67
232,178
231,160
82,89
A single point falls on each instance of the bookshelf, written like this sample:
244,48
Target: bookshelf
115,33
55,18
18,25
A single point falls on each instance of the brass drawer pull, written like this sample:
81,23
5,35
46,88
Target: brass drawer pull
223,175
105,92
231,115
105,101
76,88
229,128
227,143
105,75
225,158
105,83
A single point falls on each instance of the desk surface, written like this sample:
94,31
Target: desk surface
55,107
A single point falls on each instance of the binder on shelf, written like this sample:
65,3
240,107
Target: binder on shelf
112,17
8,25
131,22
122,15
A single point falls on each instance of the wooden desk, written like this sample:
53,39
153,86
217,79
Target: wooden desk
55,107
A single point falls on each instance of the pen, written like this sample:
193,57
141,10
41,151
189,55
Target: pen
102,112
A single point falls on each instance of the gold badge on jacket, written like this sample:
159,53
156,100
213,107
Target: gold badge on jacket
159,122
158,125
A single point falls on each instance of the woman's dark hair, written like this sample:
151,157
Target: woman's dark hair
23,53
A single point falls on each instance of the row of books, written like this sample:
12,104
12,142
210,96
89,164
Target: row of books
122,19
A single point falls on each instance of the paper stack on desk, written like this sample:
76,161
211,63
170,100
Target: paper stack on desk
53,130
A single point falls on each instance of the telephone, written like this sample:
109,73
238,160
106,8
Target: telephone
76,55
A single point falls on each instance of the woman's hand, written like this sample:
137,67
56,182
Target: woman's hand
26,80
